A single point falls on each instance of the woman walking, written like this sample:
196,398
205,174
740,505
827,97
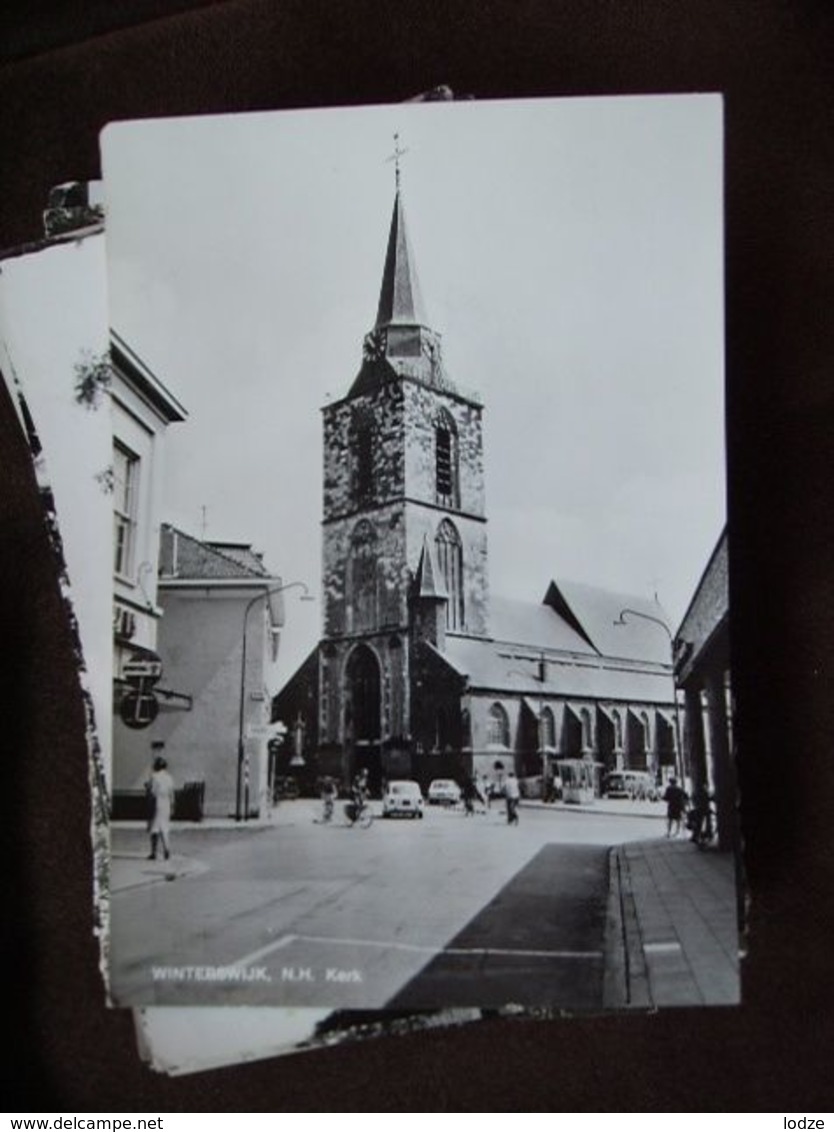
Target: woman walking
161,791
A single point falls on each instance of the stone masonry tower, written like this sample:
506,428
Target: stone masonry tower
404,527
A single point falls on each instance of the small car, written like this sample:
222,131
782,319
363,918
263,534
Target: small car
444,792
402,797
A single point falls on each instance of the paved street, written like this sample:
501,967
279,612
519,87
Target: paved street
449,910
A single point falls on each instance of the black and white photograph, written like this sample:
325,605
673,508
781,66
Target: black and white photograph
421,686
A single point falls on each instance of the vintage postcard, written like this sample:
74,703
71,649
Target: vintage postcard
421,687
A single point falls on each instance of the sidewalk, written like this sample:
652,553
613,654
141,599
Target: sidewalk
672,936
133,870
129,864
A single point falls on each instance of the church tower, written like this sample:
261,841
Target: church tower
404,525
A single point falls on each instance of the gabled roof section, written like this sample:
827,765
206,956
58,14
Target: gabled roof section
427,584
616,624
534,625
400,301
146,383
182,556
241,552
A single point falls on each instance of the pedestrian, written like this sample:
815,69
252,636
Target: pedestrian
700,817
360,790
675,799
485,791
329,794
512,795
161,793
469,793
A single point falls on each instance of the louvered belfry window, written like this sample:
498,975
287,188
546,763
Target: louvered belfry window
446,473
444,462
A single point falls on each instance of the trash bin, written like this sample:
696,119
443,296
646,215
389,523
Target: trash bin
188,802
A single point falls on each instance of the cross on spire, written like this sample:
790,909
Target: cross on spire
395,157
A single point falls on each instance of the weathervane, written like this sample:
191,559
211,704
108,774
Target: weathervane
395,157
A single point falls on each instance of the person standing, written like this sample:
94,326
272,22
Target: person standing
485,791
469,792
512,795
701,818
360,792
329,794
161,790
675,799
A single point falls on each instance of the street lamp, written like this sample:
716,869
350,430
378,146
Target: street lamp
621,620
242,789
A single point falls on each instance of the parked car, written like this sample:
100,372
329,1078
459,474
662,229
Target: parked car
402,797
632,784
444,792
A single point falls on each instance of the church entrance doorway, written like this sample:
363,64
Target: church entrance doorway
363,715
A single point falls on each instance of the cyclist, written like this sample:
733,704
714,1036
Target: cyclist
359,792
360,789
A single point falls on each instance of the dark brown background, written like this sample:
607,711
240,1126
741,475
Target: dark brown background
64,75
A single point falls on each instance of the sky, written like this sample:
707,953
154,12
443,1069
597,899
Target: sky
570,252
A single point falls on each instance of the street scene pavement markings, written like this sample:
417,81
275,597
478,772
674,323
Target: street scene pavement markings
557,899
386,945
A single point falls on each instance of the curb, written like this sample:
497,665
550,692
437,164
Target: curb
144,877
626,979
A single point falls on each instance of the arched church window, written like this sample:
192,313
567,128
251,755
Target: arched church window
362,578
498,727
548,728
450,564
446,460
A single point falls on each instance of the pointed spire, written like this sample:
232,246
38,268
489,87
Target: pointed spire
426,583
400,301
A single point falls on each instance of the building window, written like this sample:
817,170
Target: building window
548,737
585,717
618,730
446,460
125,490
498,727
450,565
362,578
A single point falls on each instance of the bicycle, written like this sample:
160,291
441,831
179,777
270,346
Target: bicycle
361,815
702,826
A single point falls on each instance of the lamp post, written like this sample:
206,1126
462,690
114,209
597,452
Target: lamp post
242,786
621,620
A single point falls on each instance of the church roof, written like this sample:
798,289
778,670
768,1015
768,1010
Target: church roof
586,654
400,301
533,625
616,624
493,666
